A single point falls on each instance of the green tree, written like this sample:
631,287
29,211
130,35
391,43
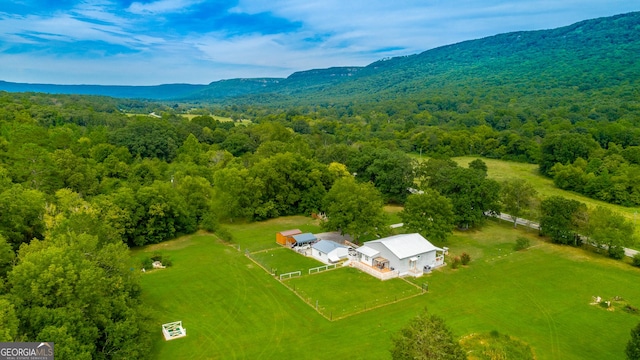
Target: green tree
148,138
21,214
561,219
517,197
6,258
390,171
236,193
292,185
471,193
80,293
239,143
429,214
479,165
9,320
565,148
191,150
426,337
610,230
354,208
633,346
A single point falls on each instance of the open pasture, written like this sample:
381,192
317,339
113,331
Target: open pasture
233,309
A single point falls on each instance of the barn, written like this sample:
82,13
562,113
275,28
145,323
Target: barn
286,237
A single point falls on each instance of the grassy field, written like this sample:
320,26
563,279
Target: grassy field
501,170
282,260
347,291
393,213
215,117
233,309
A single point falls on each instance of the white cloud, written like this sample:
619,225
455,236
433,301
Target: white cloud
162,6
69,28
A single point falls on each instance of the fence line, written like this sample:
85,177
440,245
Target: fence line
322,268
380,275
290,275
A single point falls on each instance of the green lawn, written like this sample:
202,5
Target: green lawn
233,309
393,212
345,291
282,260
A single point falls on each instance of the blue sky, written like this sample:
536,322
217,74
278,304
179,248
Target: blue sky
148,42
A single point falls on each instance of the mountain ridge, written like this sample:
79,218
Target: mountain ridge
495,60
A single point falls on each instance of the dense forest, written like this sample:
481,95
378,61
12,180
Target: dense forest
83,178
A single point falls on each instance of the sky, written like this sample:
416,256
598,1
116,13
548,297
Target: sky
150,42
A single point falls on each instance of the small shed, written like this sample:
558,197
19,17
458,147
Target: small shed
286,237
302,239
329,252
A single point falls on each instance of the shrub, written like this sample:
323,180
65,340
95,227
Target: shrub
616,252
166,261
209,223
521,244
456,262
636,260
157,256
224,234
465,258
147,263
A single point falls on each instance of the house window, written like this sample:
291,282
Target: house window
366,258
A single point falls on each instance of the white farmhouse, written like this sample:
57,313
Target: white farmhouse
405,254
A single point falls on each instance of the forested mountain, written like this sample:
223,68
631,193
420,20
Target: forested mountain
577,60
159,92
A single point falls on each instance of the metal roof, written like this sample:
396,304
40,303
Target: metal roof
406,245
365,250
290,232
304,238
326,246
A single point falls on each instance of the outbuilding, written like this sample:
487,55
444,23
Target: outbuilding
286,237
329,252
303,239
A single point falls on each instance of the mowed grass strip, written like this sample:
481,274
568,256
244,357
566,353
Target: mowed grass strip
346,291
282,260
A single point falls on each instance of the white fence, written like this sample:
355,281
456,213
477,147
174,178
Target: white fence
322,268
373,272
290,275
